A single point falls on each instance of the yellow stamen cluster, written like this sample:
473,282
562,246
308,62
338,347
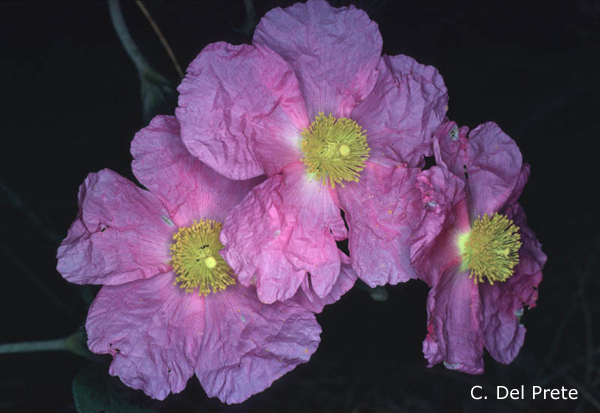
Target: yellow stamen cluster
335,149
491,248
196,259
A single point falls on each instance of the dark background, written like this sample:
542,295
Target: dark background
71,105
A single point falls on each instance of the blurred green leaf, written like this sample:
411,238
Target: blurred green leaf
157,93
95,391
378,293
88,293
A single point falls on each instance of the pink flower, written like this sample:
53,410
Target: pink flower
475,250
334,125
144,245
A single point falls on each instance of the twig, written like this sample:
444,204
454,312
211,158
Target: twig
549,105
564,369
568,313
35,219
586,394
161,37
587,319
37,281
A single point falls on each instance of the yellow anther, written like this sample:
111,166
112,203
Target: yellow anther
491,248
196,259
335,149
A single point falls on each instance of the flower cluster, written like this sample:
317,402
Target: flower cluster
278,150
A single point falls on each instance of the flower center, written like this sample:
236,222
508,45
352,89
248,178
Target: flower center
335,149
196,259
491,248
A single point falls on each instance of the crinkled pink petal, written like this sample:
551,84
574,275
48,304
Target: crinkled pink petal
247,344
493,170
504,302
450,148
493,164
188,188
520,185
334,52
532,258
241,111
454,333
121,233
381,209
306,297
280,232
152,329
490,164
402,113
445,215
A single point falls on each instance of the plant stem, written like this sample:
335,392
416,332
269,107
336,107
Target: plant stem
75,343
59,344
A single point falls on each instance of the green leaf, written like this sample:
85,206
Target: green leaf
94,391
